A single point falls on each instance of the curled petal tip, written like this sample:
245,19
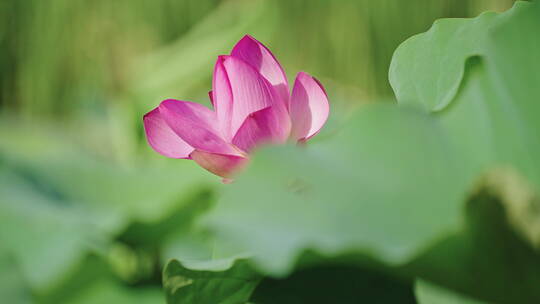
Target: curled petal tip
309,107
248,36
222,58
261,58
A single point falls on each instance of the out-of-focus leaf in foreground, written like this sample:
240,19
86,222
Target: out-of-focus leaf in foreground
59,204
295,199
340,195
60,234
77,203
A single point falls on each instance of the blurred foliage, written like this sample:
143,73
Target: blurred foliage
89,214
62,57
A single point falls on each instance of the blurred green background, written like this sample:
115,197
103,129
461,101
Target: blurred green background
88,212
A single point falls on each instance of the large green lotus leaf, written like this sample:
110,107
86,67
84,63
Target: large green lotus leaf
492,115
428,293
231,286
428,68
512,63
281,206
495,129
380,186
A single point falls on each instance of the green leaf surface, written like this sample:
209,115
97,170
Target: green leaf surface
493,118
489,67
231,286
341,194
428,68
493,61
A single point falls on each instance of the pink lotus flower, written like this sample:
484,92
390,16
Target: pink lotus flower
250,96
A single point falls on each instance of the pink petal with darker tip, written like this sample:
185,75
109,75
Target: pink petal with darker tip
309,107
259,56
211,96
162,138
